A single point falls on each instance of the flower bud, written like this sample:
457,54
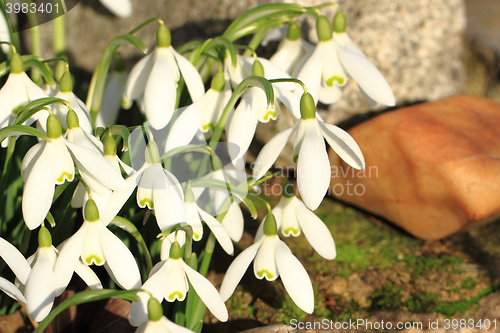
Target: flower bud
257,69
270,226
218,82
175,251
44,237
66,82
323,28
294,32
54,129
152,154
163,37
155,311
91,211
339,22
307,107
110,146
72,119
16,64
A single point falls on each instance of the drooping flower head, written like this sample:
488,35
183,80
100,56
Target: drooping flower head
272,259
309,152
154,80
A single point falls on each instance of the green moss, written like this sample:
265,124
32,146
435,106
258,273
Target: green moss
352,254
387,297
469,283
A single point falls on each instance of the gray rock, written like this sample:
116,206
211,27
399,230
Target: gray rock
417,45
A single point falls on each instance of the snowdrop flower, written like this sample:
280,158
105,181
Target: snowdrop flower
313,165
202,115
112,96
18,91
156,76
169,280
40,287
157,188
291,50
253,106
293,217
157,322
194,216
50,163
121,8
18,264
272,258
95,244
335,57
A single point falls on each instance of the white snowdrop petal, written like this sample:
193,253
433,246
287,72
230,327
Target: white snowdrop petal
138,77
39,189
366,75
207,293
271,151
68,257
344,145
160,91
40,287
15,260
295,278
236,270
219,231
315,230
119,259
11,290
313,167
191,76
121,8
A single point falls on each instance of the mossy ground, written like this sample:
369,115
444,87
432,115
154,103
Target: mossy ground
379,270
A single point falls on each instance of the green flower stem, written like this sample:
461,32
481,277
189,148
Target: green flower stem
36,41
5,175
207,255
139,27
60,43
291,80
255,42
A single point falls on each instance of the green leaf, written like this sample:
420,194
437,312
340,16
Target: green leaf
86,297
16,130
97,84
129,227
227,44
199,148
43,68
51,220
31,108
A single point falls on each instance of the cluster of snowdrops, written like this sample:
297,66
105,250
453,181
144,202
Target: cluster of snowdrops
73,157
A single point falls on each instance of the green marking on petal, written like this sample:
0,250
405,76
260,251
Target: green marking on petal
291,231
196,235
64,175
270,114
148,202
260,274
15,111
295,158
330,81
93,259
208,126
172,296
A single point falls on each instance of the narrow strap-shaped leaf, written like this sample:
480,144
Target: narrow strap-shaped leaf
97,84
85,297
225,42
31,108
43,68
16,130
